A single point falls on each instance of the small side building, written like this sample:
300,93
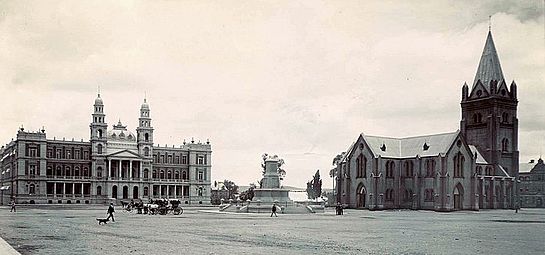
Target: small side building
532,185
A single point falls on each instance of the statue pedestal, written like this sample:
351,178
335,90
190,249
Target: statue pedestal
272,195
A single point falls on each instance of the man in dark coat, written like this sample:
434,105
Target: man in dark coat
111,211
273,210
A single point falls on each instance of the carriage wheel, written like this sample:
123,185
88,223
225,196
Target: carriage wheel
177,211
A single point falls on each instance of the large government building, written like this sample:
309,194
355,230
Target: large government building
113,165
472,168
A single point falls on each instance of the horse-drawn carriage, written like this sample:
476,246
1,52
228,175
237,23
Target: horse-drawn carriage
163,207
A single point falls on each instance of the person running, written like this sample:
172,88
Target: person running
273,210
111,211
12,206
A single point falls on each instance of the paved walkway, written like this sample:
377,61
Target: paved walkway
6,249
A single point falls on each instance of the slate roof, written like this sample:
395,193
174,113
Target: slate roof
539,167
489,65
411,146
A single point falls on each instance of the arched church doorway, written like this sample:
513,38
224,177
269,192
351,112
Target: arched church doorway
360,196
458,197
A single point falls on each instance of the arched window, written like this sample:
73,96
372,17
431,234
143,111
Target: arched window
99,133
505,117
479,170
146,151
162,174
114,191
146,137
99,191
459,165
99,149
76,171
85,171
67,171
146,191
504,145
361,166
169,175
477,118
408,169
184,175
430,168
99,172
390,165
59,171
146,174
389,195
200,191
32,189
177,175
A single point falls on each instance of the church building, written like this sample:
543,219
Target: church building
113,165
472,168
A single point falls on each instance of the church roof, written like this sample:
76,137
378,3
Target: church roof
489,66
427,145
539,167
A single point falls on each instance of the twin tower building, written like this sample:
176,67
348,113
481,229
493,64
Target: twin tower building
114,165
472,168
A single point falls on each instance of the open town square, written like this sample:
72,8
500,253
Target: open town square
206,231
272,127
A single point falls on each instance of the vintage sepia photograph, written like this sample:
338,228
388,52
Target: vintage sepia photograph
272,127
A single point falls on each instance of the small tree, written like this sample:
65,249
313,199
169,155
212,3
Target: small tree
314,187
231,187
281,171
249,193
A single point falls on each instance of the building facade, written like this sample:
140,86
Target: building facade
532,186
113,165
472,168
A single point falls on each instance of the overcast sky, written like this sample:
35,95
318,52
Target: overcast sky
300,79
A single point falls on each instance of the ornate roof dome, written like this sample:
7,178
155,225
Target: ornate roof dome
98,101
145,105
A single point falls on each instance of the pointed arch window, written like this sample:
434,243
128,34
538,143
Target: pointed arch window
459,161
430,168
504,117
361,166
409,169
505,145
477,118
99,149
390,165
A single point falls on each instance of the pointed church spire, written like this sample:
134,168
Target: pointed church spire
489,66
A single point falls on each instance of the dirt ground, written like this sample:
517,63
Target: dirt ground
200,231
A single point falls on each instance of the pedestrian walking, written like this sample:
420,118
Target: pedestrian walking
110,212
273,210
12,206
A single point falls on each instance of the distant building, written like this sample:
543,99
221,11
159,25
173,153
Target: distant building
475,167
532,185
113,164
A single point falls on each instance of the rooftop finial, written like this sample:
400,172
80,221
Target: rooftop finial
145,96
98,90
489,23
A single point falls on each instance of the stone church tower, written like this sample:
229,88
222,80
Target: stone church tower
489,113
